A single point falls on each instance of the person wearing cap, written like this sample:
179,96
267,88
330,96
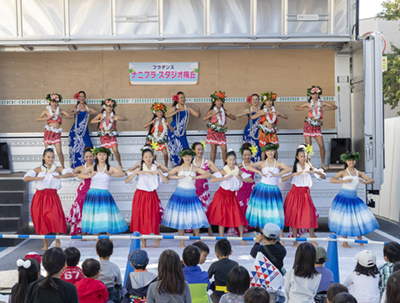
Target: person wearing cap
363,282
272,249
326,273
138,281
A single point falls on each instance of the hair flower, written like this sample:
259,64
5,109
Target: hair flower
175,98
248,99
204,144
76,96
254,150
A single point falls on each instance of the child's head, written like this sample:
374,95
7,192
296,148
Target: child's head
238,280
147,155
366,263
139,259
191,255
170,273
104,248
231,158
34,255
223,249
304,261
301,157
28,272
91,268
271,232
344,297
391,252
186,155
54,263
321,257
246,152
256,295
72,255
393,288
204,250
333,290
198,148
396,266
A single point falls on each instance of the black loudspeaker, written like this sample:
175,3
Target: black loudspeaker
338,147
4,164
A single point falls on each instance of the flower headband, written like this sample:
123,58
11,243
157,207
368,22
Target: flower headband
108,102
186,152
202,143
158,106
25,264
314,90
101,149
268,96
349,156
253,149
218,95
270,147
54,98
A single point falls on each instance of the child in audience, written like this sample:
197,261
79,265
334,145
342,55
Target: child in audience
391,254
396,268
110,273
138,282
256,295
28,272
52,289
333,290
272,249
237,283
326,274
301,282
363,283
90,290
393,288
204,251
344,297
171,286
221,268
34,255
197,279
72,273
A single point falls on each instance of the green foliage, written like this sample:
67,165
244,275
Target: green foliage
391,10
391,83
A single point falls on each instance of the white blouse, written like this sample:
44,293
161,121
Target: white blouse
187,182
148,182
232,184
305,180
49,182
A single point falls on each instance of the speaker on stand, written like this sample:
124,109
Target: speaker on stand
338,147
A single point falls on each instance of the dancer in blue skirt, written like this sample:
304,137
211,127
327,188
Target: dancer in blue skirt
266,205
184,209
349,215
100,213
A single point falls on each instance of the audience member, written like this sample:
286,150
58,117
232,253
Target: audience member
391,254
333,290
204,251
326,274
72,273
28,272
344,297
393,288
396,268
34,255
256,295
237,283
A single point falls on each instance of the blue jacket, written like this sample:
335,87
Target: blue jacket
194,275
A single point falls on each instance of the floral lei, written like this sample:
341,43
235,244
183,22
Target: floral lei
270,121
110,124
158,138
221,116
49,170
307,167
267,130
52,113
145,168
316,112
229,171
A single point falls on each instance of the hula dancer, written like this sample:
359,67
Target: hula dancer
107,127
266,205
184,209
216,127
158,127
250,134
75,214
225,210
53,115
46,209
100,212
269,120
146,206
349,215
313,121
299,208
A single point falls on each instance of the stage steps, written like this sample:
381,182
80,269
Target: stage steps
14,207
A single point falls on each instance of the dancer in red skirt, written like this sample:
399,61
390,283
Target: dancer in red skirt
313,121
158,128
225,210
107,127
146,206
53,117
216,127
299,208
46,209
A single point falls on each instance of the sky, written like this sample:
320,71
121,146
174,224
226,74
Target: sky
369,8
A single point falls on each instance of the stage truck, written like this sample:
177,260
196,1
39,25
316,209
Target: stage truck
240,47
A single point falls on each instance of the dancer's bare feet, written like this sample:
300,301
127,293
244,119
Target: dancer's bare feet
120,167
45,244
58,243
324,167
143,243
244,242
295,244
346,245
182,243
360,238
156,242
45,247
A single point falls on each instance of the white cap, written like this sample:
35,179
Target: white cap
271,230
366,258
